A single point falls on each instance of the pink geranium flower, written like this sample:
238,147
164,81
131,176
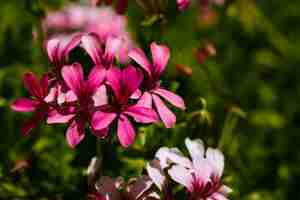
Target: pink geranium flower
39,103
153,91
123,83
183,4
136,189
79,112
202,175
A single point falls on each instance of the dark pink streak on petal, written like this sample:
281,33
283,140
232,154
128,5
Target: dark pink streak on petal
131,79
145,100
92,46
95,79
32,84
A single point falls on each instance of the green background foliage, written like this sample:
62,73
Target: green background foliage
244,100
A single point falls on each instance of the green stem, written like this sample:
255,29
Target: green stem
99,154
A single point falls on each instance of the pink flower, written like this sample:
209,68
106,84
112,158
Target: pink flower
92,45
78,113
39,103
153,91
123,83
103,21
136,189
183,4
202,175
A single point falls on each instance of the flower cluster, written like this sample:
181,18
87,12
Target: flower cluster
108,94
103,21
201,176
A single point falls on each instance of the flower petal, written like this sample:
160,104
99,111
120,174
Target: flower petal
91,44
168,118
32,85
169,156
24,105
195,148
106,186
139,57
156,174
145,100
114,76
131,80
216,159
141,114
75,133
112,46
102,120
52,49
139,187
73,76
51,95
55,117
32,123
100,97
100,133
96,78
160,57
181,175
126,132
171,97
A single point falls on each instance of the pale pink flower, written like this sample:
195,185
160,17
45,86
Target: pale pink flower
183,4
202,175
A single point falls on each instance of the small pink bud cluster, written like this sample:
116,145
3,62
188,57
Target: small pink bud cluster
107,95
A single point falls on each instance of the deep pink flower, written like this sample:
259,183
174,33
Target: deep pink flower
78,113
183,4
123,83
202,175
101,58
153,90
39,103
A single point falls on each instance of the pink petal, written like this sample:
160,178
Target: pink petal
138,56
156,174
225,190
174,99
52,49
160,57
195,148
24,105
32,84
51,95
217,196
203,170
55,117
44,85
96,78
136,94
114,76
183,4
75,133
67,44
141,114
73,76
126,132
216,159
168,118
100,97
181,175
102,120
131,79
111,48
145,100
91,44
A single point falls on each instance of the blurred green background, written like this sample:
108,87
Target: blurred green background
242,95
